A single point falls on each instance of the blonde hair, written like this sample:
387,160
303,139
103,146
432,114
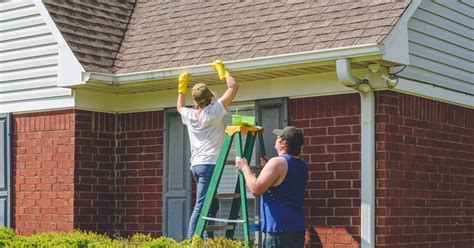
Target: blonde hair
202,95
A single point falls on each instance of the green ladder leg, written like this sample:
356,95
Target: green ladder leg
211,191
239,201
236,204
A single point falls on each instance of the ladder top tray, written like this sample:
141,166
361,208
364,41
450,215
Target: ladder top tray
231,130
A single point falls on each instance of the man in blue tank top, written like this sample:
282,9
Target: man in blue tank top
281,185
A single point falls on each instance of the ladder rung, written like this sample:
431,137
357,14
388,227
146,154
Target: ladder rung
219,228
227,195
230,162
223,220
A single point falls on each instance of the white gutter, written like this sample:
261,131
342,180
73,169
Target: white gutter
367,122
238,65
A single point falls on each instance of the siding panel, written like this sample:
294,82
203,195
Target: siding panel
29,57
43,61
444,58
435,43
14,5
26,53
441,45
430,29
36,41
38,83
444,23
456,6
21,11
423,75
21,23
25,32
447,12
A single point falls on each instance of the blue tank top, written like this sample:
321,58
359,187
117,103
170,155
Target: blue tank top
281,207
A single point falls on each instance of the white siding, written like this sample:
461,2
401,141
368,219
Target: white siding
441,45
28,61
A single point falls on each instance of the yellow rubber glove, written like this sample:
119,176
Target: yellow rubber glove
219,67
183,82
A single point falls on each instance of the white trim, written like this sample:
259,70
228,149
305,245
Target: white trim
396,42
238,65
69,69
367,160
45,104
292,87
367,170
434,92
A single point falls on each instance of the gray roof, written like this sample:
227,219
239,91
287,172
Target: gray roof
93,29
168,34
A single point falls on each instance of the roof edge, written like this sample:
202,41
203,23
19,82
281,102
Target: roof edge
237,65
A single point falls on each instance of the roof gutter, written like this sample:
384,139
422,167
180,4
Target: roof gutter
238,65
367,151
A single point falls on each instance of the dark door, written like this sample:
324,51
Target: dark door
5,169
176,177
271,114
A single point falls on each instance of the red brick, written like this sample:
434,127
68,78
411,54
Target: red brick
422,123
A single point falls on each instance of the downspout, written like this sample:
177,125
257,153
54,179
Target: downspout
367,122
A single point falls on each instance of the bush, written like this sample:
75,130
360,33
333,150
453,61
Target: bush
82,239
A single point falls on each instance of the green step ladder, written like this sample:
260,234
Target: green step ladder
240,196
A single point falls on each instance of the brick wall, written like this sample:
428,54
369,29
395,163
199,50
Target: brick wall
331,125
43,171
94,172
425,173
88,170
139,173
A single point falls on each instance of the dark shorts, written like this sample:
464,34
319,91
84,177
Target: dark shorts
283,239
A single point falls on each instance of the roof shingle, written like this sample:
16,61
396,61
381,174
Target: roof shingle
93,29
165,34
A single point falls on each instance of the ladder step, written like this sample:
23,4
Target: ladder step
219,228
223,220
227,195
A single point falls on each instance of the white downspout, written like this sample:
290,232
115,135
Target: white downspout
367,122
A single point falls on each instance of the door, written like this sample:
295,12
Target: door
5,169
176,177
271,114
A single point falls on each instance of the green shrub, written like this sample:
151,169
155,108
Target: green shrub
216,243
82,239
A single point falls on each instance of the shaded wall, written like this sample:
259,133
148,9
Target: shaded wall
331,125
425,173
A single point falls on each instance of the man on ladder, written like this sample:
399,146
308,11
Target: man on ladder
205,125
281,183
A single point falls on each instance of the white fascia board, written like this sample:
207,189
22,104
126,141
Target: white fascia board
39,105
239,65
69,69
434,92
396,43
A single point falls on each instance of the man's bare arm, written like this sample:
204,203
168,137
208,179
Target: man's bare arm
267,178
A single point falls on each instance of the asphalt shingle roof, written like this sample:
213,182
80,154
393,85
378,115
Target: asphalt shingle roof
94,30
167,34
